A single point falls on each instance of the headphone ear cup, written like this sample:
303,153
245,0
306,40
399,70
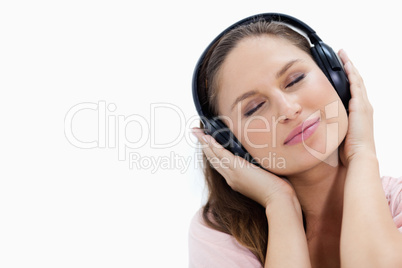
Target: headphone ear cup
332,67
318,60
225,137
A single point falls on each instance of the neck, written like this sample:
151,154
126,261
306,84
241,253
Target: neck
320,193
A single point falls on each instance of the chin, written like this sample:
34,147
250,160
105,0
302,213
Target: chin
285,167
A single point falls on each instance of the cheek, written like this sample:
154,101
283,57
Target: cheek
319,91
256,134
329,135
328,101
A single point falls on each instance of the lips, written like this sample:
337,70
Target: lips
302,132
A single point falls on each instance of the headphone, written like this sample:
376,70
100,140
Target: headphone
326,59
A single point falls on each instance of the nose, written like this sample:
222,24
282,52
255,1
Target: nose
288,107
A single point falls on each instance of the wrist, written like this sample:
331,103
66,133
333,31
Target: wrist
283,203
362,170
364,158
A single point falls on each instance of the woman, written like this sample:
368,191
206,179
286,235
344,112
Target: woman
318,199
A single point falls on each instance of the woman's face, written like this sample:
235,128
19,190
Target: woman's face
280,105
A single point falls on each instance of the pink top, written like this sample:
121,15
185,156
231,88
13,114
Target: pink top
211,248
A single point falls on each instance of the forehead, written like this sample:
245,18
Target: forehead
261,52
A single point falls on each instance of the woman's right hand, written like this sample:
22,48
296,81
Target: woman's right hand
287,241
242,176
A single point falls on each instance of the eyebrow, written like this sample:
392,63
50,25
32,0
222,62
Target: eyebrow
281,72
286,67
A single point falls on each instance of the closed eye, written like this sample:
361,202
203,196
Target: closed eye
253,110
295,81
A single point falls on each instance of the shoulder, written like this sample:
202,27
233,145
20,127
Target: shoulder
393,192
212,248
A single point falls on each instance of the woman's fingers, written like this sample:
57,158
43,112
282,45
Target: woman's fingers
219,157
360,131
241,175
219,160
357,87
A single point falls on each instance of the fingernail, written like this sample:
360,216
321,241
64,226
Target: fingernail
195,130
205,139
348,66
344,52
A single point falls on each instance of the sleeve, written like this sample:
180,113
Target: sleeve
211,248
393,193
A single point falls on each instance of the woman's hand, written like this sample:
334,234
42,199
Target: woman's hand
287,241
365,207
242,176
360,136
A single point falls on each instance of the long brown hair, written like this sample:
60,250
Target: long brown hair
227,210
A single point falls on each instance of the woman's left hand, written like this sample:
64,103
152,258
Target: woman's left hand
365,206
359,139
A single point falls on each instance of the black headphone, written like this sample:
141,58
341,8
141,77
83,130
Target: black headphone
323,55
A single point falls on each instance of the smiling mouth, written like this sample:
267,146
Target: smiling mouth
301,133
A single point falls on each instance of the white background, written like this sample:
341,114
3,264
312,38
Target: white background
64,206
